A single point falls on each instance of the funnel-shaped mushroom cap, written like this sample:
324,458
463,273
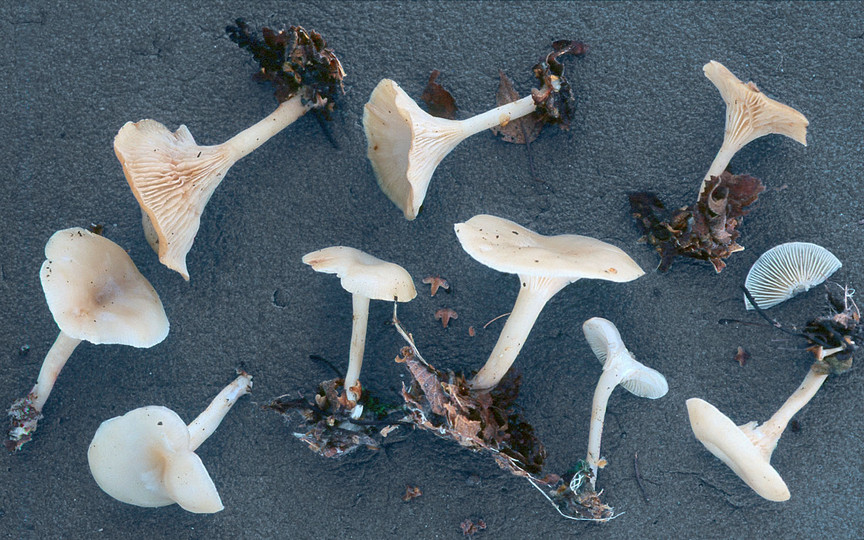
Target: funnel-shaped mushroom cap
606,342
406,144
172,178
786,270
364,274
732,446
143,458
96,293
749,114
508,247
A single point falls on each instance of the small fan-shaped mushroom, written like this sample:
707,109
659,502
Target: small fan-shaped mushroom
786,270
749,115
365,277
147,456
619,367
545,265
95,293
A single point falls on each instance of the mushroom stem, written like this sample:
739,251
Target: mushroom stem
610,378
533,295
202,427
252,137
721,161
766,436
360,306
51,366
498,116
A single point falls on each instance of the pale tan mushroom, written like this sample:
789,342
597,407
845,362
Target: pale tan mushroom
173,177
147,456
365,277
749,115
545,265
406,144
95,293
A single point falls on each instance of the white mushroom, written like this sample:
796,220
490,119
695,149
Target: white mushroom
95,293
406,144
545,265
173,177
786,270
619,367
365,277
749,115
147,456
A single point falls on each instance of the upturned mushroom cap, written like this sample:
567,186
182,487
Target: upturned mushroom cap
96,293
143,458
606,342
749,113
508,247
732,446
172,178
363,274
786,270
405,145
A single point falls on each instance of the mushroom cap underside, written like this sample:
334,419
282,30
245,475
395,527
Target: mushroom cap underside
750,113
786,270
96,293
364,274
508,247
172,178
405,145
143,458
732,446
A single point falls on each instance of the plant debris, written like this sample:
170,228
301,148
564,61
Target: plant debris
471,331
96,228
295,61
438,100
411,492
23,421
523,130
706,230
445,315
469,528
330,430
841,331
436,282
742,356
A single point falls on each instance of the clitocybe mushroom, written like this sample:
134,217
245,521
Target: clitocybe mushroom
545,265
406,144
147,456
365,277
95,293
619,367
786,270
749,115
172,177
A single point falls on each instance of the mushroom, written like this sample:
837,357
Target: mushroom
619,367
545,265
172,177
749,115
95,293
406,144
365,277
147,456
786,270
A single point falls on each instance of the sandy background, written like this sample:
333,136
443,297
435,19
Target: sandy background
646,119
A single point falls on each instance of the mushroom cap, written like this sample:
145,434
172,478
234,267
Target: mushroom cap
732,446
363,274
143,458
749,113
786,270
606,342
96,293
172,179
405,145
508,247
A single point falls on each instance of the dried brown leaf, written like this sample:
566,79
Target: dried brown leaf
445,315
523,130
438,100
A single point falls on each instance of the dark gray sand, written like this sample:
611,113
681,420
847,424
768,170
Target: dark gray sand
646,119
